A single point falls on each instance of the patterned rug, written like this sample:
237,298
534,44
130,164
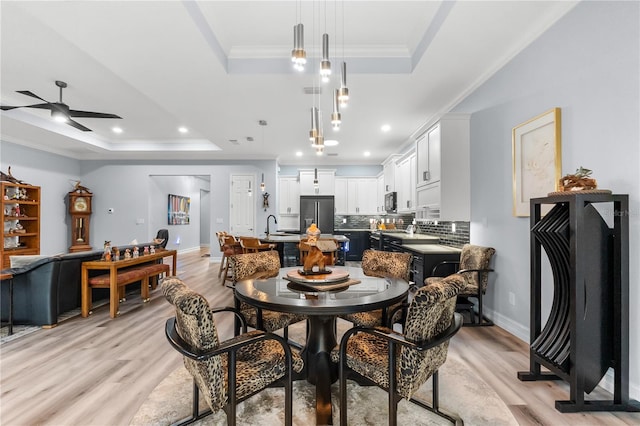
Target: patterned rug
461,393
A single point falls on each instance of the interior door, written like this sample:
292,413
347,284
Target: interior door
242,214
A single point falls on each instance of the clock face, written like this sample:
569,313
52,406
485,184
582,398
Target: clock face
80,204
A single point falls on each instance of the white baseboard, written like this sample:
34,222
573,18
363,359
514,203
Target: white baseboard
513,327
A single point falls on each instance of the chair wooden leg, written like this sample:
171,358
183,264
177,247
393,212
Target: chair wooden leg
222,262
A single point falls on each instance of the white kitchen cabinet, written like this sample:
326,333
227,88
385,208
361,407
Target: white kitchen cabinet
389,172
443,188
356,195
289,195
340,201
428,156
406,184
361,198
380,194
326,182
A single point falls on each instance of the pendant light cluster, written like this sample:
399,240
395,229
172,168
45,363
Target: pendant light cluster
340,96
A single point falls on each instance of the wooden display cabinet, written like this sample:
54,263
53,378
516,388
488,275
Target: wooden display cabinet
20,221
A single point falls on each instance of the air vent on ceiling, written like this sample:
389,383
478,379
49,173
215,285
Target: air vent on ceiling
234,141
249,138
313,90
332,154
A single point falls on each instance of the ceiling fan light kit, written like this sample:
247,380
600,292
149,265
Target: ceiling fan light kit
60,111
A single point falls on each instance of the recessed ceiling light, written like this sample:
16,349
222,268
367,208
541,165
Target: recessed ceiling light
117,130
299,154
385,128
367,153
183,129
331,142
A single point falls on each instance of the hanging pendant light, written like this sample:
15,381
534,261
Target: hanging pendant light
318,141
343,92
313,133
298,54
336,117
325,64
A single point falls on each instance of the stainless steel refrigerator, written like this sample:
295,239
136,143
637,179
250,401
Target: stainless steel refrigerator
318,209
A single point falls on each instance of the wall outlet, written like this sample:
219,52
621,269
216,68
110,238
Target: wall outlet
512,298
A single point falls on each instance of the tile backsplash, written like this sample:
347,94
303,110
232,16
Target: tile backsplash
442,229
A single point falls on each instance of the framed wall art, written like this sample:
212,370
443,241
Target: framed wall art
537,159
179,210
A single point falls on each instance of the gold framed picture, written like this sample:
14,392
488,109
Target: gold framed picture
537,159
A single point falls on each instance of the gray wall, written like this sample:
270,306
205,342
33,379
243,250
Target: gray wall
56,176
588,65
127,187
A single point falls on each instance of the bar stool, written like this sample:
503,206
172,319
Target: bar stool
228,247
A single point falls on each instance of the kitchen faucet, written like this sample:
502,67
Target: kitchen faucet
274,220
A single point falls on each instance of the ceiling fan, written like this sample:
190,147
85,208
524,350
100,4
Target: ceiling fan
60,111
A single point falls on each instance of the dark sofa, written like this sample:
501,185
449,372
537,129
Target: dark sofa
49,287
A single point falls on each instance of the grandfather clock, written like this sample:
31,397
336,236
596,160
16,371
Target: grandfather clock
80,210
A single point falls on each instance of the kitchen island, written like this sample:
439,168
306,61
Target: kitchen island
287,246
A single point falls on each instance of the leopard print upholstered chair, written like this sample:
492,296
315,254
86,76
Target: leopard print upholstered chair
383,264
416,355
474,267
261,358
265,264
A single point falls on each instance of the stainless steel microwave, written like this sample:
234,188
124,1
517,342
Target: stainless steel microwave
391,202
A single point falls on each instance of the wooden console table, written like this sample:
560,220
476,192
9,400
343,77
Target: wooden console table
113,267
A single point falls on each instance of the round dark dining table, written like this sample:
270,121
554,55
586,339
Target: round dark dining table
322,301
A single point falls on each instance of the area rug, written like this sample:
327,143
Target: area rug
461,393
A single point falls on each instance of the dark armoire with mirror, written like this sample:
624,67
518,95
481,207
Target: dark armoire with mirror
587,331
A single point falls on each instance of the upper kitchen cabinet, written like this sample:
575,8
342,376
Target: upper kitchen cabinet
443,170
356,195
326,182
406,183
380,194
289,195
428,157
389,172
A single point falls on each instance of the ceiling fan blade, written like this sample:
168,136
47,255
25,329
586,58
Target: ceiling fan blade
33,95
78,125
41,106
76,113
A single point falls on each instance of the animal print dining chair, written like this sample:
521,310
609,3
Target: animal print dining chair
228,372
415,356
384,264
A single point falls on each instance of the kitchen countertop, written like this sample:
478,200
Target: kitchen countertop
432,249
294,238
413,239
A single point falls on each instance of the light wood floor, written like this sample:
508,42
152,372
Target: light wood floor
98,371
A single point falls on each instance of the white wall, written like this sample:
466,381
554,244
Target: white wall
588,65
